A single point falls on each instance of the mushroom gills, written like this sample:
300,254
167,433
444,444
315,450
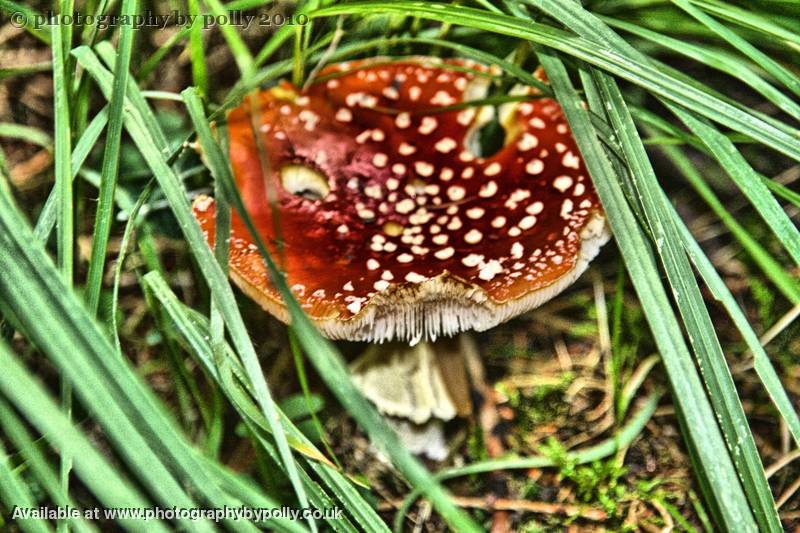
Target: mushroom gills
418,387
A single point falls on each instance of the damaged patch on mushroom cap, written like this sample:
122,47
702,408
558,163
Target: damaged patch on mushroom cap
392,227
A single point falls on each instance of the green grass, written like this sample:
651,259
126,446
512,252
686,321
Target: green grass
639,103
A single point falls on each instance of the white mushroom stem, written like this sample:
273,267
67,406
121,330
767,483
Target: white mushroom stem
419,386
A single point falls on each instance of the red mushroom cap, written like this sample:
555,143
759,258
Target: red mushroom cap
392,227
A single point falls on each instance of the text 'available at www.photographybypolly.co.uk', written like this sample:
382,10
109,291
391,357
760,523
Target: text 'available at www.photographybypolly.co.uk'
216,514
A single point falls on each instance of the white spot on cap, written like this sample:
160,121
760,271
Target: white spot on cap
475,212
381,285
465,116
380,160
403,120
366,214
348,286
537,123
566,208
562,183
516,197
405,206
571,160
413,277
428,125
354,307
517,250
445,145
473,236
535,208
456,193
493,169
390,92
534,166
399,168
372,264
472,260
488,189
490,270
455,224
387,275
424,168
414,93
442,98
446,174
527,142
378,135
467,173
527,222
440,239
406,149
405,258
444,253
498,222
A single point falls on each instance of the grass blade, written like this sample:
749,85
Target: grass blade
92,468
697,321
724,488
779,72
111,156
14,492
18,434
136,116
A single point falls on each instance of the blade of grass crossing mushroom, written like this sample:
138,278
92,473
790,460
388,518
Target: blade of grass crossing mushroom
696,97
14,492
126,409
176,196
778,71
690,397
16,432
111,157
195,329
323,355
103,480
700,329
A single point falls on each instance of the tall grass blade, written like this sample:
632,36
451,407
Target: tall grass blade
111,157
717,471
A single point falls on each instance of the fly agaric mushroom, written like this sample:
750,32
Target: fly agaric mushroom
393,227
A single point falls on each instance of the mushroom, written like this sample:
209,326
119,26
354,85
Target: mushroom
394,228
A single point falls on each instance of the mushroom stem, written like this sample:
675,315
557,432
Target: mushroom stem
420,387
